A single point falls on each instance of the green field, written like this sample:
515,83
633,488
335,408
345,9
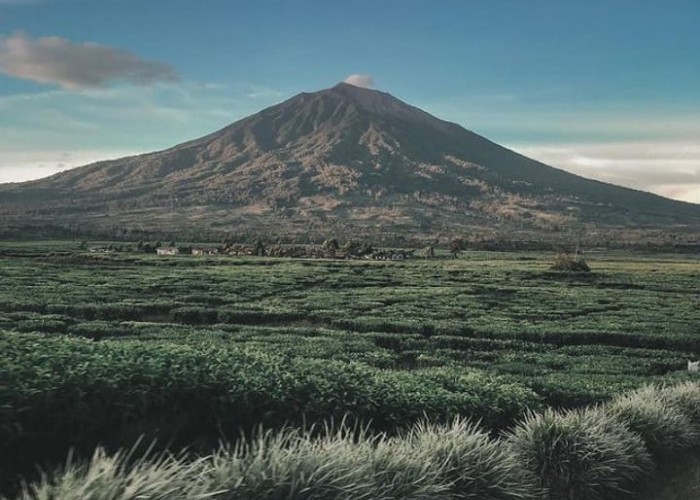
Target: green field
106,347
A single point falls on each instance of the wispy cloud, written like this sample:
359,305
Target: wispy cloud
670,168
101,123
74,66
30,165
364,81
261,92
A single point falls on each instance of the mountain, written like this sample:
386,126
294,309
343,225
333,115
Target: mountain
342,160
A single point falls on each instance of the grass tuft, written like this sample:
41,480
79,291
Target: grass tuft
119,476
685,397
475,465
583,454
664,428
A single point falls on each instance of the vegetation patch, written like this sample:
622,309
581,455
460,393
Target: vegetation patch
586,454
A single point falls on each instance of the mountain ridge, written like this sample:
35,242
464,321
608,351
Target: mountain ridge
341,157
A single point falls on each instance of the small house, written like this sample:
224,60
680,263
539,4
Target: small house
167,251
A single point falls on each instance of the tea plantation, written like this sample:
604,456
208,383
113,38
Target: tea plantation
103,348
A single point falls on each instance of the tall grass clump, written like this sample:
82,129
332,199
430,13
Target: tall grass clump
475,466
401,471
664,428
685,397
120,476
579,454
287,464
342,464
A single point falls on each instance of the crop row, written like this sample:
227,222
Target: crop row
69,318
63,391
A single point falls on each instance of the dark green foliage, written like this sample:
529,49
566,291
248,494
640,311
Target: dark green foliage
64,392
193,315
258,247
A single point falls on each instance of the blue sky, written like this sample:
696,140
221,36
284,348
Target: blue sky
607,89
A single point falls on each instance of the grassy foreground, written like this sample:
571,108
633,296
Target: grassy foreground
599,452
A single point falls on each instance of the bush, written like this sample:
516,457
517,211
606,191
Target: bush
664,428
584,455
572,263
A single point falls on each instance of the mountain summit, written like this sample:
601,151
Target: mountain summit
342,159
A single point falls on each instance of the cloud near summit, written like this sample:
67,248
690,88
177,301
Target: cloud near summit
364,81
74,66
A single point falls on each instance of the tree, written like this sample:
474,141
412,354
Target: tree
456,246
351,248
330,247
258,247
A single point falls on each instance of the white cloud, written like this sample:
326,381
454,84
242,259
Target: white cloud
364,81
30,165
669,168
73,66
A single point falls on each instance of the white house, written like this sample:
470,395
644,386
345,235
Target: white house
167,251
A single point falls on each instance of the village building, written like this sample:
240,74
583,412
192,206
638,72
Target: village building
167,251
205,251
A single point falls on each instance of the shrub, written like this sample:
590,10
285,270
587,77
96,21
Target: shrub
573,263
664,428
474,465
583,455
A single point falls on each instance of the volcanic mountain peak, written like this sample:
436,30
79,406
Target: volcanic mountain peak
346,155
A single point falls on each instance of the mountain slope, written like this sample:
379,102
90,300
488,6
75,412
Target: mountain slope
343,158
